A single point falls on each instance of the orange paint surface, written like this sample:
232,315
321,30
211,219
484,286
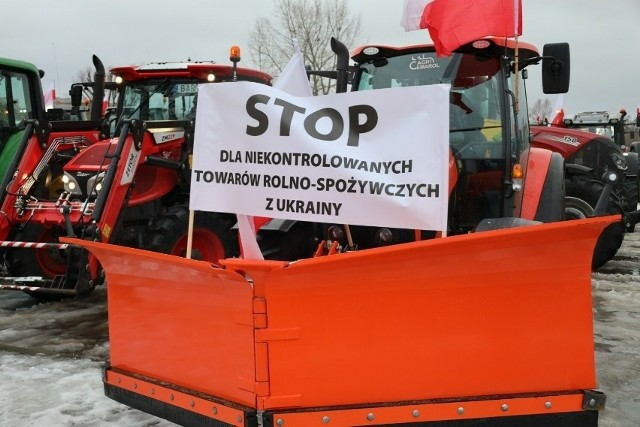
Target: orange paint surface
494,313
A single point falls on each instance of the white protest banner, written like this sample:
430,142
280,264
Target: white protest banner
376,158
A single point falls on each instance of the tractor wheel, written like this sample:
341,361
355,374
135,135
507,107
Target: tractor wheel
46,263
213,238
611,237
609,241
575,208
299,241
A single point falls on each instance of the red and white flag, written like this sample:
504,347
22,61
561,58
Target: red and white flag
412,14
49,96
453,23
105,103
558,111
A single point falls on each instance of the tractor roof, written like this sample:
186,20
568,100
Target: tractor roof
592,117
495,46
6,63
188,70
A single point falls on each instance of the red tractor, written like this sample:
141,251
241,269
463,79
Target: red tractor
33,156
131,190
492,181
589,159
490,328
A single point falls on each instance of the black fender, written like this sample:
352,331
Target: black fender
633,163
551,204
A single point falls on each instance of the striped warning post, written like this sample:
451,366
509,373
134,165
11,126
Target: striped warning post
32,245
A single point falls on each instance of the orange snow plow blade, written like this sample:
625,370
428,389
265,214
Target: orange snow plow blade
491,324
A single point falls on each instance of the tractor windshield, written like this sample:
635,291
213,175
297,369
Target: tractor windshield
159,100
475,102
478,105
15,102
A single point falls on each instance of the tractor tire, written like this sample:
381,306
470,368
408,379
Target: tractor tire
575,208
46,263
609,242
213,238
299,241
589,190
611,237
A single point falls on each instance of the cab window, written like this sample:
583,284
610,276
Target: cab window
15,103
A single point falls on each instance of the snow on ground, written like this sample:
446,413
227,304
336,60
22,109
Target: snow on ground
51,360
52,354
616,302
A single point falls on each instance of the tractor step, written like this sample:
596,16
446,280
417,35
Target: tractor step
37,285
63,285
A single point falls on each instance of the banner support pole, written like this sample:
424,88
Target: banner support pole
190,233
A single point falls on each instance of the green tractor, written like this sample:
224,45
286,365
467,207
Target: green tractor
21,98
22,109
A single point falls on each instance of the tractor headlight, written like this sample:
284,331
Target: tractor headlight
71,184
612,177
94,184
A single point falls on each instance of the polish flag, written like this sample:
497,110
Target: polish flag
105,103
412,14
453,23
49,96
558,119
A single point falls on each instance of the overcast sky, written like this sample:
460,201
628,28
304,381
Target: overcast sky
61,36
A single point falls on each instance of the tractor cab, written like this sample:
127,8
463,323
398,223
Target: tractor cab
491,163
603,123
168,91
123,179
489,132
20,100
163,96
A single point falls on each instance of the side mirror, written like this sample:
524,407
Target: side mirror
76,95
556,67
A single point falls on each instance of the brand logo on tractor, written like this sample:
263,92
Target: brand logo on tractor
132,163
571,140
162,136
421,62
566,139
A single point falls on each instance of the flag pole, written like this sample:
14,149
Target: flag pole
516,27
191,221
517,80
190,233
